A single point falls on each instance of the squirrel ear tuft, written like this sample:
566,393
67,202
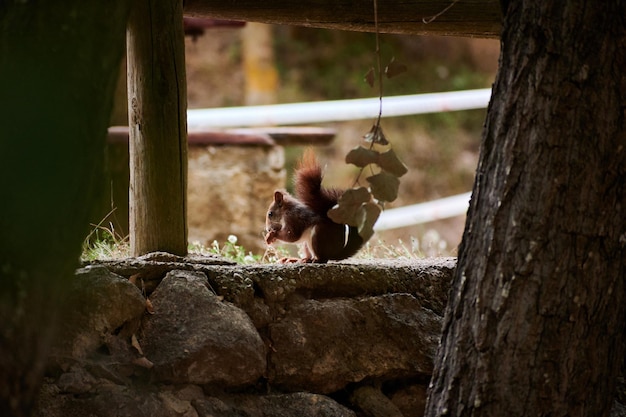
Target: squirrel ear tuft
278,197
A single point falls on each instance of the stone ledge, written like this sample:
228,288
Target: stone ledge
319,332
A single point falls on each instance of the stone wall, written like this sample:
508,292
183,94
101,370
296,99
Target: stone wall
233,186
198,337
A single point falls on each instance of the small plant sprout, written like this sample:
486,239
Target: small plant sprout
230,250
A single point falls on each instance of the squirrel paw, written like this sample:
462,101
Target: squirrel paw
289,260
270,237
299,261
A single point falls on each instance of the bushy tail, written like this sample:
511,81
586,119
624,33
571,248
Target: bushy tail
308,184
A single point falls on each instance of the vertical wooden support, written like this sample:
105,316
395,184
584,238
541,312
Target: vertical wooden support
157,105
260,71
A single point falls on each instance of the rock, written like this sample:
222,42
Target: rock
233,284
195,337
321,346
181,407
77,381
148,270
285,405
428,280
109,401
327,329
99,305
374,403
215,407
411,400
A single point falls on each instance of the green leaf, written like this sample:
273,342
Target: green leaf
384,186
368,214
369,77
394,68
347,208
362,157
390,162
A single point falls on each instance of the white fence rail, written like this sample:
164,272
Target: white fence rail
443,208
337,110
344,110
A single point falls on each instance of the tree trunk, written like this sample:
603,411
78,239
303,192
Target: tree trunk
58,68
535,321
157,111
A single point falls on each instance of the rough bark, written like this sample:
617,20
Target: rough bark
534,324
157,109
58,68
476,18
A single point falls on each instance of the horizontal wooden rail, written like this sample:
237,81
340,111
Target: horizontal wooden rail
473,18
268,136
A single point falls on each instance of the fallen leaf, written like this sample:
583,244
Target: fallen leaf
149,307
143,362
135,343
133,279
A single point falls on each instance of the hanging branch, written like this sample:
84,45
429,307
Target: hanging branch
430,19
379,65
360,207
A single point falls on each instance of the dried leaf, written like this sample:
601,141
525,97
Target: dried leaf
390,162
135,343
347,208
380,137
369,136
143,362
369,77
376,135
394,68
362,157
384,186
149,307
133,279
368,214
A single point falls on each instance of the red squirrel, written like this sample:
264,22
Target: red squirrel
304,219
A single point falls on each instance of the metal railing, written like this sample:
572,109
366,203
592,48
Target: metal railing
336,110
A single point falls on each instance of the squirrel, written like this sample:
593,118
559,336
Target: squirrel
305,220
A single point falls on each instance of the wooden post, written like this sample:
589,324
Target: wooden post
157,105
260,71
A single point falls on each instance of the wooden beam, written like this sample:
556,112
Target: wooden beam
473,18
157,97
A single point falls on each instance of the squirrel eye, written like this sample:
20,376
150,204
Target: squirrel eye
270,214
